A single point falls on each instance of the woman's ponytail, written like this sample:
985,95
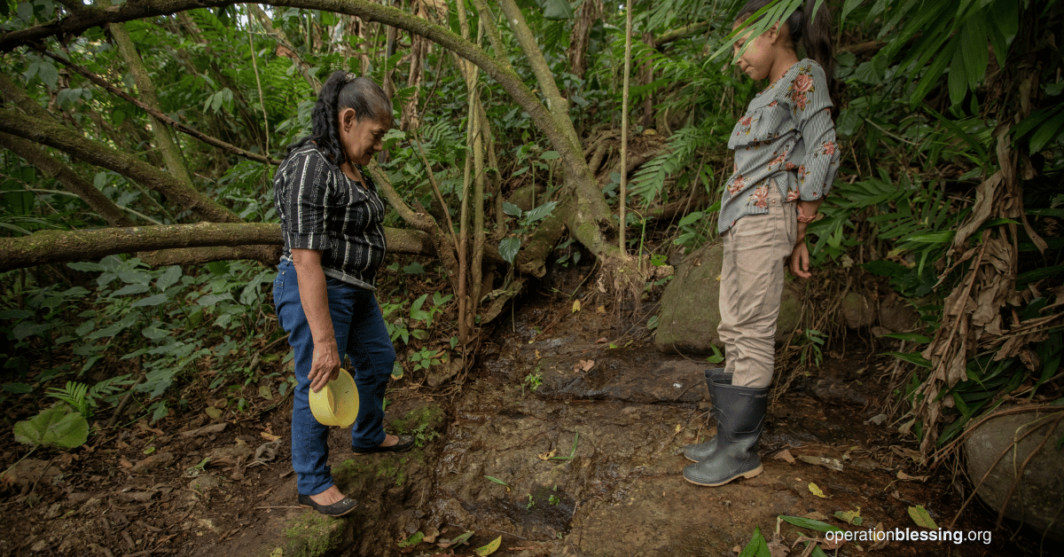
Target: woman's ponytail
342,90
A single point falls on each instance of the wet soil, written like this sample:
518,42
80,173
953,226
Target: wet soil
587,463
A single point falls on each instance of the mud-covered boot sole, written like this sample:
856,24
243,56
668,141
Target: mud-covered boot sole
746,475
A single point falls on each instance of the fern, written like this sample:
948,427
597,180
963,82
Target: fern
83,399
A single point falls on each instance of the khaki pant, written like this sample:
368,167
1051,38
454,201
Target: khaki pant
751,284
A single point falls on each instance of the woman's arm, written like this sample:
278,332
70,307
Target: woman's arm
314,297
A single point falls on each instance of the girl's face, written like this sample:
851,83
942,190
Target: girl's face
361,138
760,57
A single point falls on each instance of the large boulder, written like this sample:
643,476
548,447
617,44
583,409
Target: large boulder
1037,499
690,305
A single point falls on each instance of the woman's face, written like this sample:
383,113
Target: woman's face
759,57
361,138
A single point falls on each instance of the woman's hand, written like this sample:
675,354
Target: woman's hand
325,365
800,260
314,296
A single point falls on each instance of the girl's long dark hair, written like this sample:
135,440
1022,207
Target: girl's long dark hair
811,33
343,90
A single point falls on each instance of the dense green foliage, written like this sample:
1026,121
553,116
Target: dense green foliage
934,101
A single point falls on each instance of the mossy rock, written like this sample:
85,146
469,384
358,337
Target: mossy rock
421,420
311,535
690,305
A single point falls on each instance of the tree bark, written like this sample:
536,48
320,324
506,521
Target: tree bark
591,208
175,162
56,135
51,166
59,246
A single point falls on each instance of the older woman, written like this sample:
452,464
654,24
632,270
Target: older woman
333,245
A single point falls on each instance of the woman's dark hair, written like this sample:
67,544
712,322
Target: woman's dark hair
343,90
811,33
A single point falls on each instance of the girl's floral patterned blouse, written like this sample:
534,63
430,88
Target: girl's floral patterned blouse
787,135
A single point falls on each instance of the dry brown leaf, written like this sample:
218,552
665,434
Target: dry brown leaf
124,463
905,477
269,436
583,365
547,455
785,455
776,547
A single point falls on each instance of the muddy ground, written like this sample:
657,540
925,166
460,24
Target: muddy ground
587,463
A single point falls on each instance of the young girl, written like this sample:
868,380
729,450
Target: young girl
785,161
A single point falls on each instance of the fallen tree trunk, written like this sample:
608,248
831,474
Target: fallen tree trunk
61,246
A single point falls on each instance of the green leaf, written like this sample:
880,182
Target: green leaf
48,74
15,314
913,358
490,548
549,155
412,540
17,388
153,331
1046,133
847,8
974,46
25,12
86,267
958,78
168,278
809,523
511,209
557,9
508,248
934,71
908,337
212,299
54,427
757,547
151,300
497,480
85,328
130,289
922,518
541,212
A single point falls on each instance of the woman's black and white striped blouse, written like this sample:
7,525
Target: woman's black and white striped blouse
322,209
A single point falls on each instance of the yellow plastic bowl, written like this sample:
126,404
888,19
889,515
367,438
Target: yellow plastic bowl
336,404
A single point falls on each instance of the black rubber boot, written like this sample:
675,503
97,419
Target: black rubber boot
701,451
740,419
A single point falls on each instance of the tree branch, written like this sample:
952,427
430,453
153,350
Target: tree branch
591,210
56,135
65,175
250,239
158,114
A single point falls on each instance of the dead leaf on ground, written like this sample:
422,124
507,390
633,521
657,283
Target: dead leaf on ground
576,306
143,426
829,463
124,463
547,455
206,430
815,490
878,419
776,547
816,516
601,341
583,365
785,455
269,436
905,477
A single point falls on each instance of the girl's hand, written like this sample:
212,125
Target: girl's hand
800,260
325,365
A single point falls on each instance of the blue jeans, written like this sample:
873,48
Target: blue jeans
362,336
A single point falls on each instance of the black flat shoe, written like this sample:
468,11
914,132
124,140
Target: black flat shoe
336,510
405,444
